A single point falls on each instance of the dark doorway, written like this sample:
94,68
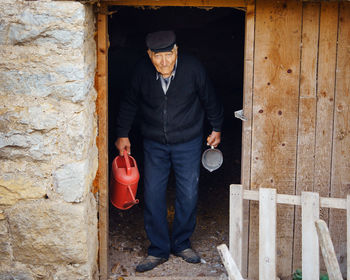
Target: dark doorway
216,37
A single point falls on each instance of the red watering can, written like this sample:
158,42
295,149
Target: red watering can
124,179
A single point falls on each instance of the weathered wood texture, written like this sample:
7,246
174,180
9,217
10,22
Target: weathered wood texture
307,115
301,118
247,125
348,235
267,234
190,3
229,263
102,141
275,115
236,224
325,202
328,253
310,203
311,240
340,176
325,100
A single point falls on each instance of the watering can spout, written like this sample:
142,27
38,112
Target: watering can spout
133,201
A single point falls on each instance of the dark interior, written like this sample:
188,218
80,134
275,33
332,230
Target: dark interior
216,37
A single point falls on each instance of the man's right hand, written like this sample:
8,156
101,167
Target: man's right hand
122,144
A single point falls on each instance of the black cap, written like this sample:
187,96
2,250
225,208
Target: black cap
161,41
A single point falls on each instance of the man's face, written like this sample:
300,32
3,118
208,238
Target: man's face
164,62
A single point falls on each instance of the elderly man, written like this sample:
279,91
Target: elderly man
174,94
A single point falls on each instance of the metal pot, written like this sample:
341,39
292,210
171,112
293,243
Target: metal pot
212,159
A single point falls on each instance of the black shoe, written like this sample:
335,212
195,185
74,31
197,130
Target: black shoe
189,256
149,263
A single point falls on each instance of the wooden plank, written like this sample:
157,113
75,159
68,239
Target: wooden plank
328,253
340,181
188,3
281,198
323,0
229,263
325,202
307,115
348,235
325,99
288,199
275,117
267,234
310,250
102,139
247,125
251,195
236,224
335,203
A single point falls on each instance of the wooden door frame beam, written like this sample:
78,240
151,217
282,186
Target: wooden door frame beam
101,84
178,3
101,180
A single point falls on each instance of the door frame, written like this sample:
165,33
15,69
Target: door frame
101,84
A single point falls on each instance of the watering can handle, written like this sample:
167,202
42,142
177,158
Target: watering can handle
127,162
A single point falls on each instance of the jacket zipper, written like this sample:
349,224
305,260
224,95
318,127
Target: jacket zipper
165,114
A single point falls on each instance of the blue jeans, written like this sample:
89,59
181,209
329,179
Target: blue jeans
184,158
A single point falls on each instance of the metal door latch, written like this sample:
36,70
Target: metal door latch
240,115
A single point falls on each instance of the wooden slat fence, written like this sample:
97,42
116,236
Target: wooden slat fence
310,203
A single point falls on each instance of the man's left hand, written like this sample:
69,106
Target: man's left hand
214,139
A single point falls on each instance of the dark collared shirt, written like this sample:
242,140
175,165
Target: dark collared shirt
165,82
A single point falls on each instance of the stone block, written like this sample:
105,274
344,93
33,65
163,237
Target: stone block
15,275
27,128
5,247
49,232
36,146
80,133
22,180
43,117
43,129
43,22
51,72
73,180
76,272
3,31
5,256
25,33
52,52
76,90
21,188
27,83
48,272
2,215
70,180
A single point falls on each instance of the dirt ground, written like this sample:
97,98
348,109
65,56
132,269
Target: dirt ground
128,241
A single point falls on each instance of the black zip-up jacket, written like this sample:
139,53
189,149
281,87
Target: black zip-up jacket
176,116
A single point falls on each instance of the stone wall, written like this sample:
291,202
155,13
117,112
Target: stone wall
48,154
